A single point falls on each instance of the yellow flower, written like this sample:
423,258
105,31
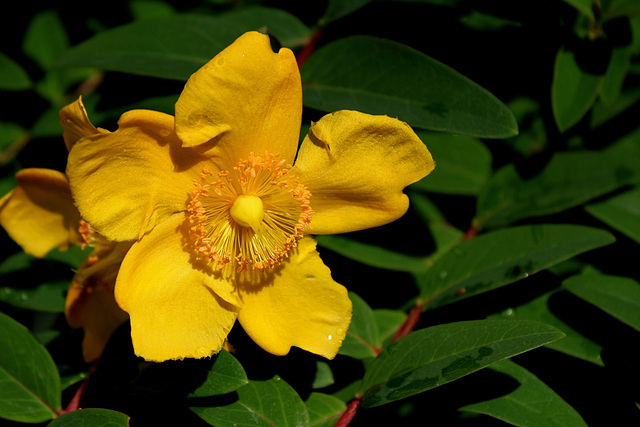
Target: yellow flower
39,215
220,206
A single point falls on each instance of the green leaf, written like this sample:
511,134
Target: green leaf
444,235
574,343
338,8
29,381
501,257
324,410
91,417
463,164
49,296
12,75
195,377
569,180
440,354
46,38
573,91
171,47
362,340
260,403
380,76
616,73
368,254
388,322
323,377
585,7
617,296
287,28
621,212
532,404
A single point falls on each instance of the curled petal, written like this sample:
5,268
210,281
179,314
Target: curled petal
126,181
176,304
356,166
76,123
301,305
39,213
246,99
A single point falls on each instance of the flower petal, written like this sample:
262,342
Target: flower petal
76,123
302,306
247,99
39,213
356,166
126,181
175,312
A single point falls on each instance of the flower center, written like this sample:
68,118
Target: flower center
250,216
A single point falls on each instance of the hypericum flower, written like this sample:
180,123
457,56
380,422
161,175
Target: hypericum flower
39,215
220,207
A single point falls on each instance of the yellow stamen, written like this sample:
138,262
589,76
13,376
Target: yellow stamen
250,216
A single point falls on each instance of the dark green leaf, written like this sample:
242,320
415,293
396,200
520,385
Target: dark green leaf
46,38
616,73
338,8
48,296
618,296
463,164
91,417
29,381
569,180
582,6
260,403
171,47
368,254
573,90
362,340
532,404
621,212
388,321
502,257
324,410
287,28
12,75
440,354
323,377
380,76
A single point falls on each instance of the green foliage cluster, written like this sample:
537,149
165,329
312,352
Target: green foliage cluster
530,111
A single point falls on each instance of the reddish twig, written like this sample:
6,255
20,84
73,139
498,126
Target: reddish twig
74,403
349,413
308,49
410,322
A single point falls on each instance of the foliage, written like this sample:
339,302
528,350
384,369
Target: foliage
519,246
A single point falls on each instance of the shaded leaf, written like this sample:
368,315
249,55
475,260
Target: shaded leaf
463,164
621,212
388,322
362,340
91,417
617,296
260,403
379,76
45,39
582,6
49,296
532,404
502,257
29,381
324,410
440,354
171,47
323,377
12,75
569,180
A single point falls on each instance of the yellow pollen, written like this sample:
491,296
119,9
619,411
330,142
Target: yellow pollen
248,211
250,216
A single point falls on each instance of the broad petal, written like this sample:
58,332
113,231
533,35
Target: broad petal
76,123
302,306
356,166
246,99
39,213
126,181
175,304
91,304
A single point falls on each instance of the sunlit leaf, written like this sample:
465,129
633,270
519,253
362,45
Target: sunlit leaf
463,164
440,354
617,296
532,404
169,47
260,403
621,212
362,340
379,76
573,91
501,257
29,381
569,180
93,417
324,410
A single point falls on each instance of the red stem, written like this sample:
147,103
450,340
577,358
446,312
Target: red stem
410,322
74,403
308,49
349,413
